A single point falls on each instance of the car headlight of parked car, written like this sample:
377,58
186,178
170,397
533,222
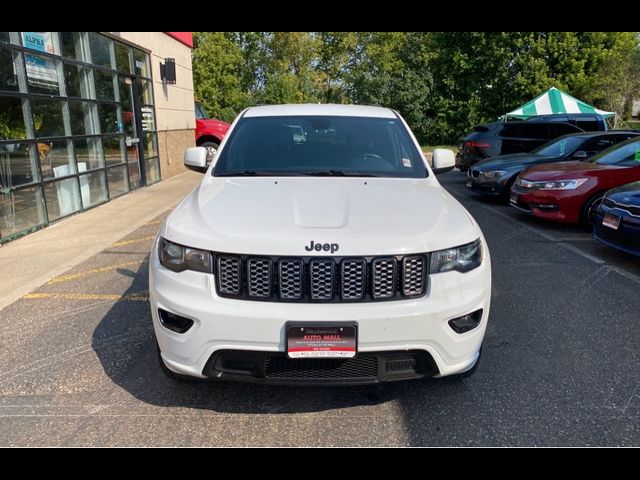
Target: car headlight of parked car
460,259
494,173
179,258
556,185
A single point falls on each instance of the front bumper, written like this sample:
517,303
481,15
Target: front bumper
222,324
626,238
549,204
492,187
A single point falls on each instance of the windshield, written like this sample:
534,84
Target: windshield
320,145
200,111
560,146
624,155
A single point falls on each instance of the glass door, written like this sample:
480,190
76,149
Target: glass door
131,120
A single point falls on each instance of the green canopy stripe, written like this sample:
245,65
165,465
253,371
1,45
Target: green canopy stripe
529,109
584,108
555,99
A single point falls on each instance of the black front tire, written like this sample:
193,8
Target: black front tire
588,215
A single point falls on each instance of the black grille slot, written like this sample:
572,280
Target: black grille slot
259,277
229,275
413,276
290,279
363,366
311,279
322,273
354,274
383,278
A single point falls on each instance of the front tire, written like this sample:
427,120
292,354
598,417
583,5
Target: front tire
588,215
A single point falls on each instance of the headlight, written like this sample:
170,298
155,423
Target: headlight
494,173
461,259
557,185
179,258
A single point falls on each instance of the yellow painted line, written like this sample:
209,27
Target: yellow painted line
132,297
129,242
74,276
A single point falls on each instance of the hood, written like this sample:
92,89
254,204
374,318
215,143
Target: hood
280,216
513,160
628,194
564,170
213,124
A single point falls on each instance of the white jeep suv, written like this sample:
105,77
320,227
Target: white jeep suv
328,257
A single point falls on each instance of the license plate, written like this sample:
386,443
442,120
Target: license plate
611,221
321,341
513,198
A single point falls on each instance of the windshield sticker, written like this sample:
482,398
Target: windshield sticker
563,144
637,157
407,163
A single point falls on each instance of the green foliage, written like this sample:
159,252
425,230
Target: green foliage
442,83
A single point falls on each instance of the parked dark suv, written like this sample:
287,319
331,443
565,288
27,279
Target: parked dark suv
503,138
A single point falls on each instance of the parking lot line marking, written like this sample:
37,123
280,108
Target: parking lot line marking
73,276
132,297
563,244
129,242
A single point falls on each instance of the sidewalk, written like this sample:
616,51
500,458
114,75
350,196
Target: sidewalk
29,262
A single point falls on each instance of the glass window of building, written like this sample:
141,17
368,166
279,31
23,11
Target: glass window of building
73,131
78,81
18,165
56,158
20,211
118,181
73,45
101,50
88,153
10,70
62,198
123,58
49,116
141,63
93,189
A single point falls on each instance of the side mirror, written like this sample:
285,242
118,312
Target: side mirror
444,160
580,155
195,158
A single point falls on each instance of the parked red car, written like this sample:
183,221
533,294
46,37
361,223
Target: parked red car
572,191
209,131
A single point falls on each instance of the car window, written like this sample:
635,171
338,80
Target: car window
626,154
525,130
561,146
320,145
563,129
599,144
200,112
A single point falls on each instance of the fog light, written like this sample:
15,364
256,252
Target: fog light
466,322
174,322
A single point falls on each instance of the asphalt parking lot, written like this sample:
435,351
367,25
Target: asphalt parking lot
560,364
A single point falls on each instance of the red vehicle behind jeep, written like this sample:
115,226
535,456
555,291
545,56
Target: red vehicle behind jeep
209,131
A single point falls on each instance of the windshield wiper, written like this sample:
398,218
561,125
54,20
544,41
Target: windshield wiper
247,173
335,173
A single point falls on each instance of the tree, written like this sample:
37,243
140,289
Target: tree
217,74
